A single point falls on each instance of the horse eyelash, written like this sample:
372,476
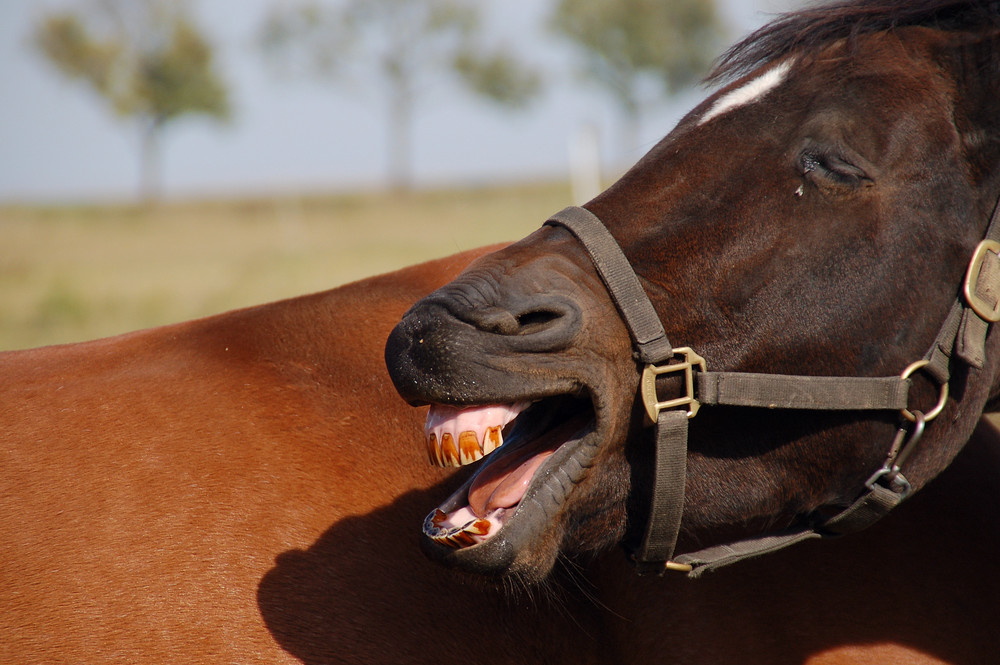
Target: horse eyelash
809,163
812,162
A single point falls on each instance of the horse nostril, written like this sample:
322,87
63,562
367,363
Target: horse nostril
502,321
497,320
535,320
534,323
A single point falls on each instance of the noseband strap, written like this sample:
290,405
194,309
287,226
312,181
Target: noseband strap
643,322
965,329
652,348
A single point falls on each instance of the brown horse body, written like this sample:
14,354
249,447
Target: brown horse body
241,488
245,488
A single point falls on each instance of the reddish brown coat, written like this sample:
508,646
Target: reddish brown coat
243,488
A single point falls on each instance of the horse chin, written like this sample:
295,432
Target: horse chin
555,440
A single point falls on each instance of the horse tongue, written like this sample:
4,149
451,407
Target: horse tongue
503,487
502,483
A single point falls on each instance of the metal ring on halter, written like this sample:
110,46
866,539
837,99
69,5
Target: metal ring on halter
939,407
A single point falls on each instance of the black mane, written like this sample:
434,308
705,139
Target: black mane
818,25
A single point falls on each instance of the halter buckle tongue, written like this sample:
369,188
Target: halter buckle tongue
648,385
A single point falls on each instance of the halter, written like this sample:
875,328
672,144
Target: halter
962,335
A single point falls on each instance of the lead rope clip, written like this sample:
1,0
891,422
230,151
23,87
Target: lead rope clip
902,445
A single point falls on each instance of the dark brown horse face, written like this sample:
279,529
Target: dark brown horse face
526,333
814,217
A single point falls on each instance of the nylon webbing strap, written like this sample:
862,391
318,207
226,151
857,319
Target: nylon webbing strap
984,287
872,506
711,558
652,346
775,391
641,319
940,354
667,503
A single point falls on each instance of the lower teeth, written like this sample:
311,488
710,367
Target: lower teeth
455,536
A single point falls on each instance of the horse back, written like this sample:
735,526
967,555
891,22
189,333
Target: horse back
238,487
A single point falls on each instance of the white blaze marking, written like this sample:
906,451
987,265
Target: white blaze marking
750,92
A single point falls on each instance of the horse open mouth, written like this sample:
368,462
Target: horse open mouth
520,443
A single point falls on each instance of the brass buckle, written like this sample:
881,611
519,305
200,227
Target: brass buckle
989,312
648,384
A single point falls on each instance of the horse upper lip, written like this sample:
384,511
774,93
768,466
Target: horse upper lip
421,357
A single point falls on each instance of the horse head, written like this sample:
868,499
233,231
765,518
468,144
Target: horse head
816,216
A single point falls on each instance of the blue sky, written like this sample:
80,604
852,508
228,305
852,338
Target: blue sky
58,142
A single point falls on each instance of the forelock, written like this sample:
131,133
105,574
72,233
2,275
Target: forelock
808,30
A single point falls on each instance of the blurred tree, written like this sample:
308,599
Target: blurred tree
146,58
640,50
400,41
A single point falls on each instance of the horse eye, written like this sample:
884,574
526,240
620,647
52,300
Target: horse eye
823,166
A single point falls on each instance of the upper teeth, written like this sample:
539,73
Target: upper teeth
458,436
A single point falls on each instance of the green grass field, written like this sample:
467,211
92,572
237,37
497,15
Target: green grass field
74,273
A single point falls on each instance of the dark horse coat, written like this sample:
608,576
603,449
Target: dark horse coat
830,218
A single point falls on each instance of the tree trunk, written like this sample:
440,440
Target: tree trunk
149,159
400,132
631,149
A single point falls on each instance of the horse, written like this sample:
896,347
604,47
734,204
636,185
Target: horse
243,487
820,242
238,489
